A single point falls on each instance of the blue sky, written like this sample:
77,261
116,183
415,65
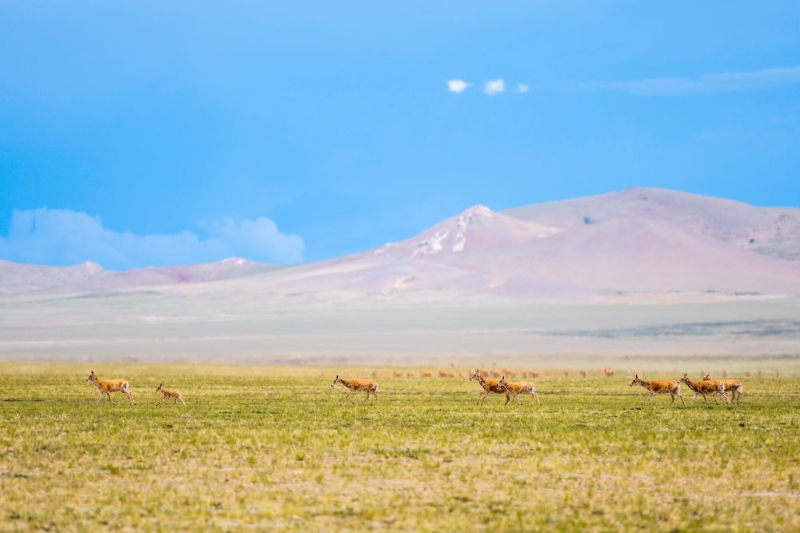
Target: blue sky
150,133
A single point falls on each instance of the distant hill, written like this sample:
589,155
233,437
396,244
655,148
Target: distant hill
634,242
16,278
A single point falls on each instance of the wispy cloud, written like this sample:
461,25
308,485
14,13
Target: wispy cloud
494,87
706,84
457,86
64,237
522,88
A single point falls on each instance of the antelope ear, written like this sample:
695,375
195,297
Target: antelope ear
337,376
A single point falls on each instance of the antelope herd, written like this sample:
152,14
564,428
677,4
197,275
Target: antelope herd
489,385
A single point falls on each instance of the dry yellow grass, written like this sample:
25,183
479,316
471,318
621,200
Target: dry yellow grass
272,449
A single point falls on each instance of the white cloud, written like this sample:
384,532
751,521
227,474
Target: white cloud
707,83
522,88
493,87
64,237
457,86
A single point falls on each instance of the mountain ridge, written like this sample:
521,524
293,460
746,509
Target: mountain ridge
639,240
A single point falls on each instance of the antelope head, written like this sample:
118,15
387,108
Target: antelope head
503,384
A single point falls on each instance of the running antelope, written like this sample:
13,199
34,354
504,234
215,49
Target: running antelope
358,385
609,372
107,386
732,385
490,386
520,387
705,387
174,394
659,386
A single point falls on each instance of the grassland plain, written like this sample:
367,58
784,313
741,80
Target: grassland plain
272,449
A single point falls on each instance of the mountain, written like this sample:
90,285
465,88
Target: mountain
630,243
770,231
18,278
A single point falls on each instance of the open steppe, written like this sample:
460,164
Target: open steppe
270,448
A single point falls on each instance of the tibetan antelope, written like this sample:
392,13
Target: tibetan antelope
357,385
520,387
107,386
167,393
732,385
490,386
659,386
705,387
609,372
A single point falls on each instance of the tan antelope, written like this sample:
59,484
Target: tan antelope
398,374
357,385
705,387
490,386
425,374
107,386
609,372
659,386
167,393
520,387
732,385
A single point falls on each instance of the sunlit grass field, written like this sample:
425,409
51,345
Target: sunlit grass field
272,449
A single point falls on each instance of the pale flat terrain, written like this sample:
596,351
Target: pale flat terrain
193,327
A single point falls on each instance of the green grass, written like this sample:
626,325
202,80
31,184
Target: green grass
271,448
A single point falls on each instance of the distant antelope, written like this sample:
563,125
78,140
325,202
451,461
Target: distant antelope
358,385
609,372
107,386
167,393
377,374
410,374
490,386
732,385
584,374
520,387
398,374
425,374
659,386
705,387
